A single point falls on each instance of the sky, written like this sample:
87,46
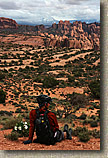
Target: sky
38,11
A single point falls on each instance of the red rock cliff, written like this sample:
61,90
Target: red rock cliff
7,23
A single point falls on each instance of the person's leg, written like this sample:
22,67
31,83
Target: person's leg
68,132
59,136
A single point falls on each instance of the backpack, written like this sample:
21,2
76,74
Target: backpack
43,131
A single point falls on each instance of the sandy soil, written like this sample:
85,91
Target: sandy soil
17,67
74,144
97,61
63,61
64,79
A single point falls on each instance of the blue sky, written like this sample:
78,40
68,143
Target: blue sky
35,11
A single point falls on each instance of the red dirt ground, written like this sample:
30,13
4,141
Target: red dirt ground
74,144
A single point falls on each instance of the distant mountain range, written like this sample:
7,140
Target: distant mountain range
49,22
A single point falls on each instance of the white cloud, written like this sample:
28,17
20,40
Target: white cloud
10,5
36,10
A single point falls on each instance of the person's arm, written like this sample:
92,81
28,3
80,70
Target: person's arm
53,122
31,129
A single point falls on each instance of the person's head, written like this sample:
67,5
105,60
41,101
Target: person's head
43,100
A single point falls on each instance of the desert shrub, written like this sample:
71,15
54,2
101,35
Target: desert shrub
70,119
2,75
2,113
83,116
77,99
95,105
85,74
82,133
73,117
78,130
91,107
49,82
38,79
65,56
95,88
96,133
22,128
18,110
27,77
17,105
94,124
16,93
93,117
76,108
87,121
78,74
52,106
59,113
98,112
2,96
10,122
23,107
12,136
84,136
71,78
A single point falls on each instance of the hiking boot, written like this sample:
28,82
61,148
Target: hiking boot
35,141
65,128
70,131
69,134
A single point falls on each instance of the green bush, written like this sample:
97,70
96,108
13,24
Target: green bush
10,122
2,76
71,78
59,113
96,133
78,74
98,112
2,113
49,82
91,107
87,121
83,116
22,128
2,96
18,110
95,105
79,130
73,117
94,124
38,79
93,117
84,136
95,88
27,76
13,136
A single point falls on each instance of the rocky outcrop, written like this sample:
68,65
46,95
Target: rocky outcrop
8,23
64,34
79,35
40,27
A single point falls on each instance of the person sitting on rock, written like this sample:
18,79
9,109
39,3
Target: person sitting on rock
46,125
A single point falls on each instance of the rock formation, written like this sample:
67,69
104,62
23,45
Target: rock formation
64,34
8,23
